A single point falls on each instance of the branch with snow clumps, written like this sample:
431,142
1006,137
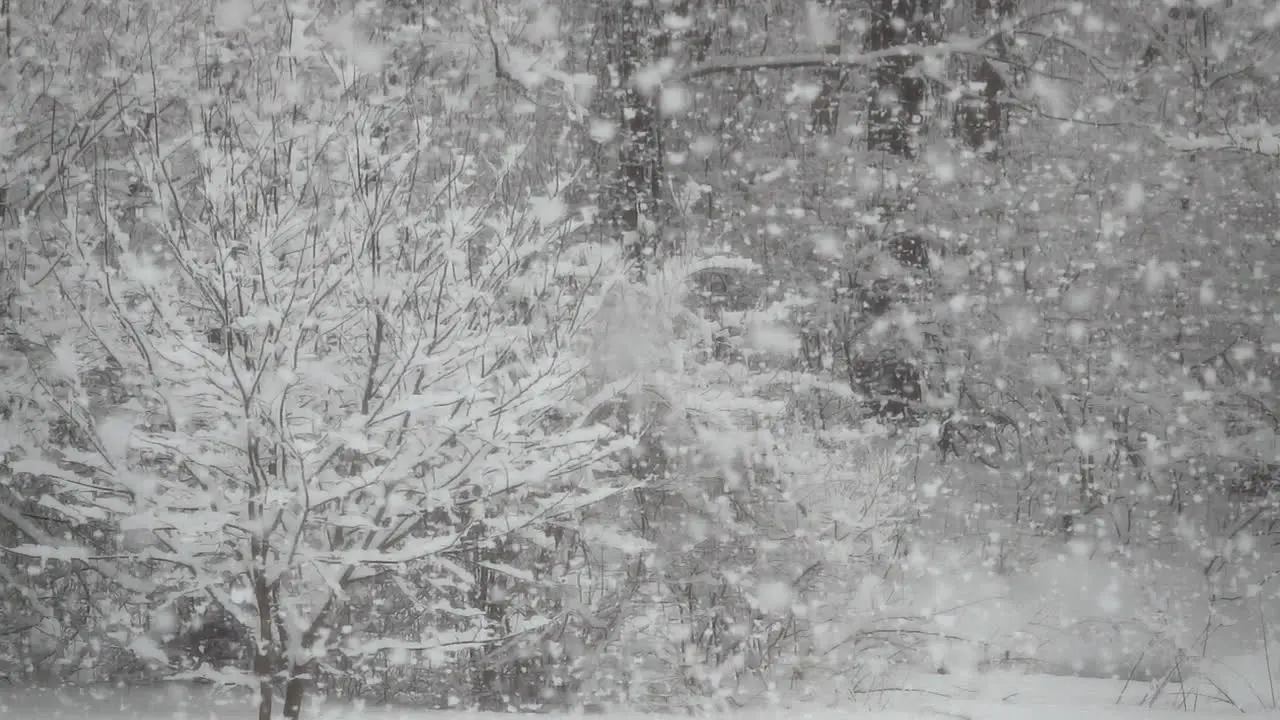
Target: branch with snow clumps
1258,138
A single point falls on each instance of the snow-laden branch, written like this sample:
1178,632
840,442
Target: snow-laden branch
957,45
1259,138
47,546
442,642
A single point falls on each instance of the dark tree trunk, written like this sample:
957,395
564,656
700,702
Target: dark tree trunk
631,37
824,112
897,99
294,692
489,596
824,120
264,648
980,120
262,672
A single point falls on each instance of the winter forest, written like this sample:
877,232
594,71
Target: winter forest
639,356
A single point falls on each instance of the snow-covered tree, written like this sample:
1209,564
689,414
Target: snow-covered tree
313,358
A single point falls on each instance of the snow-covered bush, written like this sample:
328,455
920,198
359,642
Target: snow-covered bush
752,531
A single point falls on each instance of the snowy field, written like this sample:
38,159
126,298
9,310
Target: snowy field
987,696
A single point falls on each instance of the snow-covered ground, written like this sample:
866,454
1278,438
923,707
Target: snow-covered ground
986,696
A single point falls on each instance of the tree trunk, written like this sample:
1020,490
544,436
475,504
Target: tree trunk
262,673
264,645
824,112
897,98
294,692
980,120
630,31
